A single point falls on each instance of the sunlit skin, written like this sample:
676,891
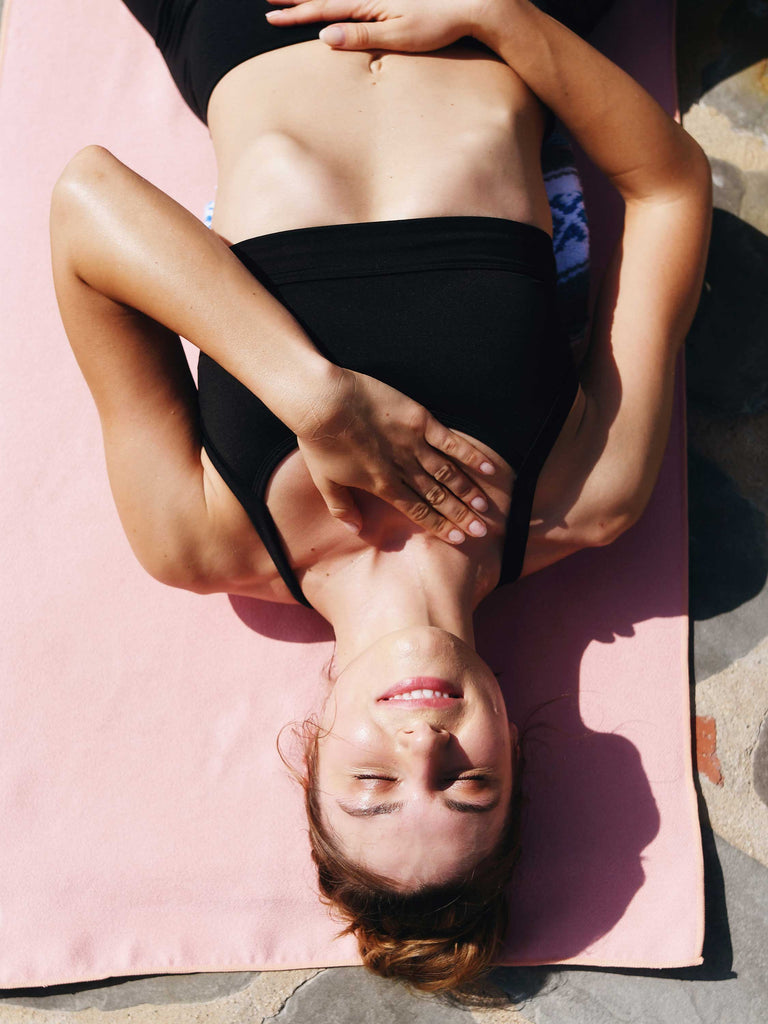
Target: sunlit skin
309,135
419,794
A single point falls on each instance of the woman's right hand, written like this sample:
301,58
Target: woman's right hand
367,435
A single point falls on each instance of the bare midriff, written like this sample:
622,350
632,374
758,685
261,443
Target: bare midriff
307,136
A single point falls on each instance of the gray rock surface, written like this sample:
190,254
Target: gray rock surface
760,763
728,186
350,995
754,205
119,993
726,351
739,997
728,568
741,96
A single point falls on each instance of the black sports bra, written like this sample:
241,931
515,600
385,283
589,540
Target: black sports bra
201,40
459,313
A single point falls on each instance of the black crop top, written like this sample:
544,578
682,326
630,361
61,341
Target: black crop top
201,40
459,313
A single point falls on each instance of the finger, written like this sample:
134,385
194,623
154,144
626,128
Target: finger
420,512
300,12
417,509
360,35
448,474
457,448
364,35
442,500
341,505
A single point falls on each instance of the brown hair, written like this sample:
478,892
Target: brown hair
437,937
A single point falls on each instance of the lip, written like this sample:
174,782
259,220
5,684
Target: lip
424,683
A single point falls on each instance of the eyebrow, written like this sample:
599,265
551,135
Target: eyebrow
371,810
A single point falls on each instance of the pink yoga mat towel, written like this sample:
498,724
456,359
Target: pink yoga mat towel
148,825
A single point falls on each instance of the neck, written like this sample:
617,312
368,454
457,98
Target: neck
423,582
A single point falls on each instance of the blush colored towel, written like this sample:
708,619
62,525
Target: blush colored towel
148,825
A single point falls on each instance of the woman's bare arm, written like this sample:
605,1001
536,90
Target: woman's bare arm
132,244
650,291
598,478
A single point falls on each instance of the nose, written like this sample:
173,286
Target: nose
423,743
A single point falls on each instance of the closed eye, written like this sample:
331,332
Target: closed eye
468,777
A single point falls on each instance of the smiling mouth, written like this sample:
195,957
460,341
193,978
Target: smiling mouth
422,691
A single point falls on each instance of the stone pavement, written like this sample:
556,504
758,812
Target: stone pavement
723,77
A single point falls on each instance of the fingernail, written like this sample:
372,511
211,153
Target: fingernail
487,467
352,527
271,14
477,529
479,504
333,35
455,536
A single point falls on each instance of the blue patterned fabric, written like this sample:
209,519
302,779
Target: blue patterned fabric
570,233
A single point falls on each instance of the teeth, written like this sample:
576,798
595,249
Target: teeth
419,695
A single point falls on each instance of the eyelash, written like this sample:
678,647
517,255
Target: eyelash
479,776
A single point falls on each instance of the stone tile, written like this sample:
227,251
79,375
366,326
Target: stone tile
499,1015
739,447
760,763
754,205
726,638
717,40
726,351
118,993
728,550
728,186
352,995
737,699
742,97
715,133
258,1001
707,761
693,996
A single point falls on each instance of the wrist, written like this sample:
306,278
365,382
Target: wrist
495,22
322,398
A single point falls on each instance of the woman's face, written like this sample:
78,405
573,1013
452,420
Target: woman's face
415,773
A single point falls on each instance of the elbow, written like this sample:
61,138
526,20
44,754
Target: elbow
183,575
91,171
608,527
694,174
182,568
700,173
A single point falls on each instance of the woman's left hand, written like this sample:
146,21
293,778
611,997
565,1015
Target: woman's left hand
415,26
370,437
